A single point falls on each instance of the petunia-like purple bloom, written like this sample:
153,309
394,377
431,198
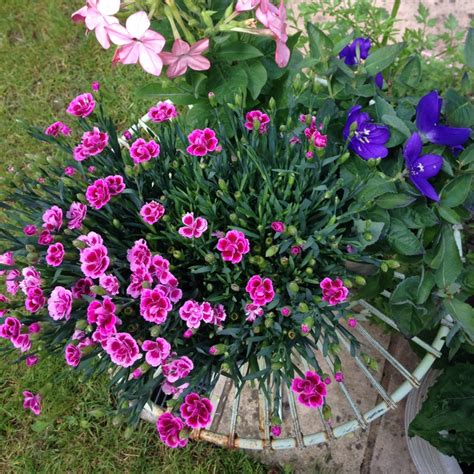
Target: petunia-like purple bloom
421,168
368,138
428,113
349,53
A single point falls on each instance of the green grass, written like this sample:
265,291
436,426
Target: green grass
44,62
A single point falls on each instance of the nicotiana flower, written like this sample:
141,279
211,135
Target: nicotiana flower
193,227
183,55
421,168
137,43
367,139
428,113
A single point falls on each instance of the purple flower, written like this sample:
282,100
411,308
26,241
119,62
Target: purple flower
428,113
368,138
421,167
349,53
378,79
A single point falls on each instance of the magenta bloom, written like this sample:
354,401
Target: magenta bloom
34,328
6,259
201,142
138,277
193,227
122,349
334,291
76,214
80,153
152,212
177,369
92,238
339,377
110,284
94,261
72,355
3,299
285,311
183,56
94,141
82,287
69,171
142,151
56,129
98,194
257,120
10,328
60,303
32,402
160,269
45,238
35,300
139,255
137,43
276,430
192,313
31,360
29,230
352,322
22,342
260,290
233,246
162,112
53,218
169,428
253,311
154,305
95,86
115,184
295,250
55,254
196,411
156,351
278,226
11,282
82,106
311,390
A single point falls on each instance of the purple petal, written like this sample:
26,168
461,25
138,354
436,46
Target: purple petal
354,115
364,46
379,80
428,111
348,55
425,188
430,166
449,136
412,149
368,151
379,134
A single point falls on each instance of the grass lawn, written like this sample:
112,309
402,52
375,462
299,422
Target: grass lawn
44,62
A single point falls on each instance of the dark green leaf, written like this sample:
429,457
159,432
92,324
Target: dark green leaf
411,72
469,49
393,200
447,261
456,191
396,123
463,313
383,58
238,51
257,77
402,239
320,45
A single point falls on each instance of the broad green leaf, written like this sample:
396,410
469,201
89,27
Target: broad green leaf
449,215
456,191
469,49
158,92
320,45
237,51
396,123
383,58
447,261
411,72
403,240
228,82
383,108
425,286
376,186
393,200
363,228
463,313
467,156
257,77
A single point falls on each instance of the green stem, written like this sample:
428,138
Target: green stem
393,16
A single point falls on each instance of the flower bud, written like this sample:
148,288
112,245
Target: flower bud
393,264
155,331
212,99
308,271
271,251
384,267
233,217
360,280
344,157
303,307
292,230
327,413
293,287
291,334
347,283
268,323
234,287
284,261
276,366
178,255
209,287
218,349
98,290
368,236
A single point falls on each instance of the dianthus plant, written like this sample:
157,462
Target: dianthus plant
174,256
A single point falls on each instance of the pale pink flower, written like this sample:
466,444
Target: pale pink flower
81,288
170,389
98,194
98,15
60,303
69,171
142,151
246,5
35,300
53,218
31,360
154,305
233,246
81,106
183,55
177,369
94,261
55,254
110,284
139,255
169,428
137,43
115,184
80,153
156,351
193,227
334,291
152,212
122,349
94,141
257,120
260,290
76,214
162,112
311,390
45,237
32,402
196,411
57,128
253,311
29,230
73,355
201,142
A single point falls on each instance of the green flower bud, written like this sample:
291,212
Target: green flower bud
129,311
116,223
347,283
212,99
233,217
308,271
238,100
303,307
291,334
327,413
276,366
293,287
344,157
384,267
234,287
271,251
292,230
209,287
393,264
129,171
257,329
284,261
360,280
368,236
268,323
237,195
272,103
225,367
155,331
178,255
373,365
98,290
